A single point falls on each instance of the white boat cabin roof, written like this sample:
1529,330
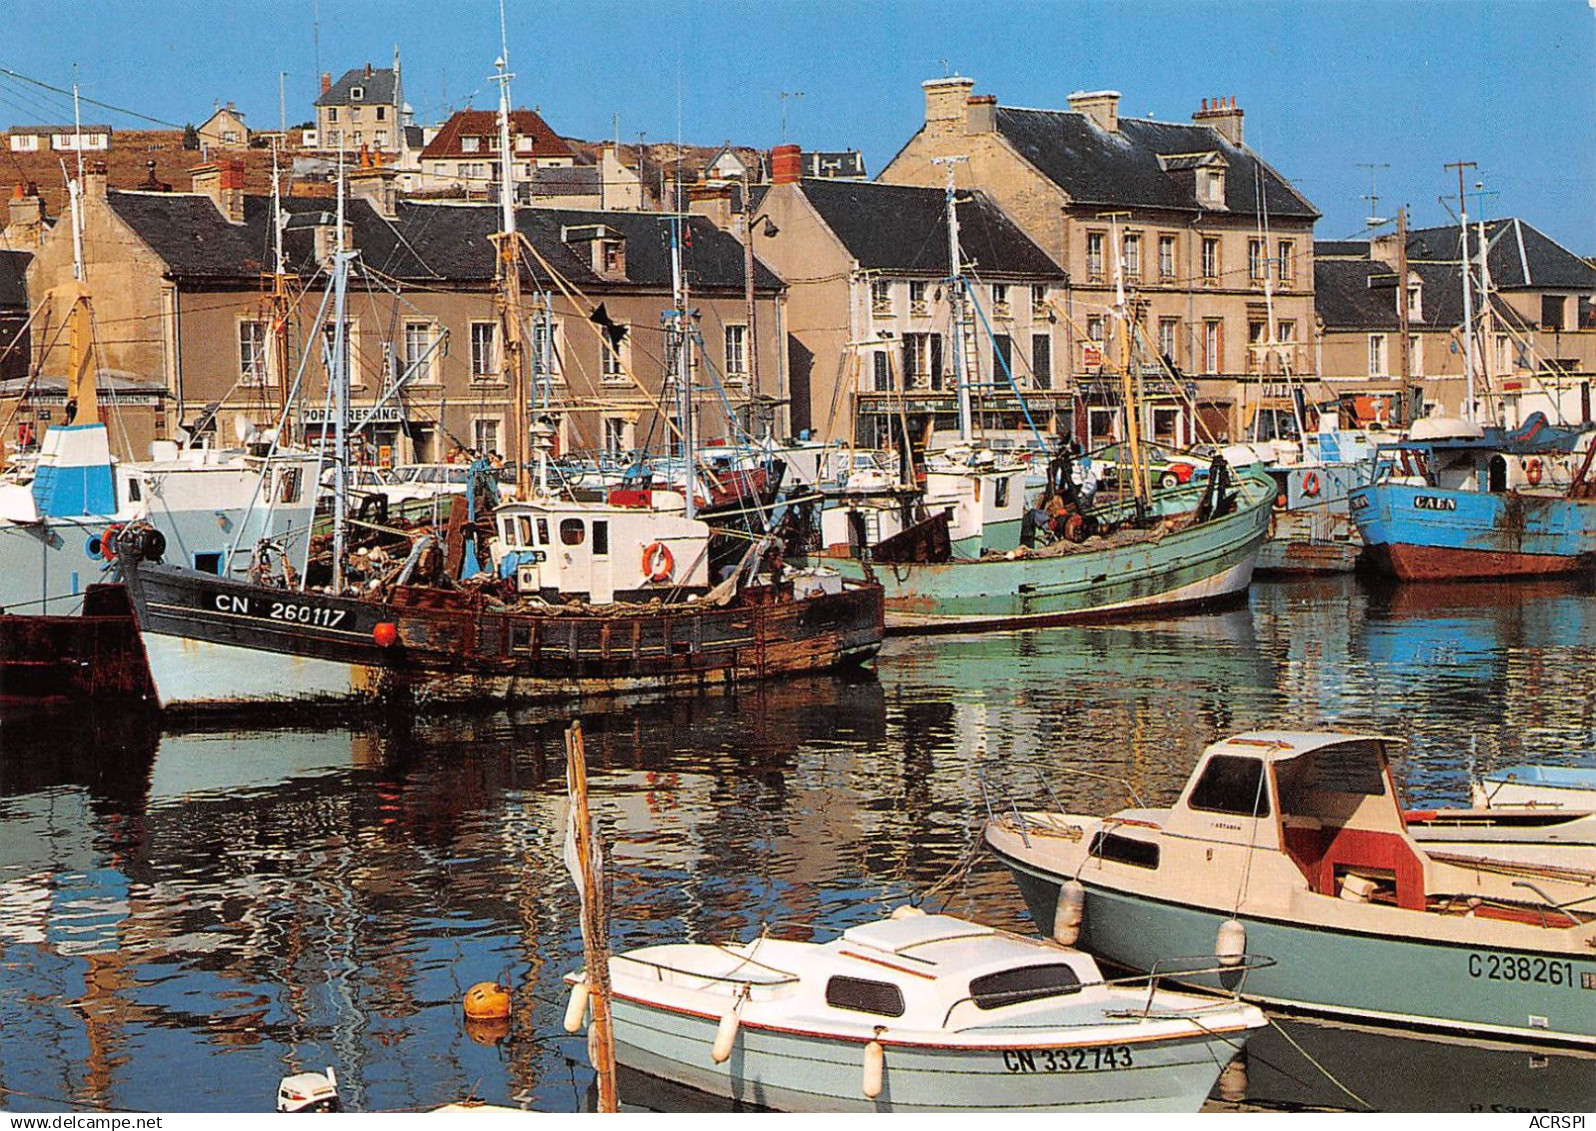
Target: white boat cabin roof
1283,745
941,945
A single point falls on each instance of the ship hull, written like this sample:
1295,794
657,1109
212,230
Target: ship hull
1199,566
54,661
214,644
1427,534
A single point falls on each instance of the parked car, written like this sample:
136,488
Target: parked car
1164,467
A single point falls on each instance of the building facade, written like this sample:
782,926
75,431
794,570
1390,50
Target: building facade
365,109
1214,247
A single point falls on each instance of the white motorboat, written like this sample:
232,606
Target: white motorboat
1551,787
916,1013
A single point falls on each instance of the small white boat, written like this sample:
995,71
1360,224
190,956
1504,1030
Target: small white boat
1552,787
1545,836
916,1013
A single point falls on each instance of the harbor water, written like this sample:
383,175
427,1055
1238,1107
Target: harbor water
188,915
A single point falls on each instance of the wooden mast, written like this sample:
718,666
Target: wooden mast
595,917
1127,390
508,279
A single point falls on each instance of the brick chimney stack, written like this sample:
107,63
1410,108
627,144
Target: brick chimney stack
94,182
26,226
223,182
1102,106
786,165
714,201
945,101
1223,115
326,82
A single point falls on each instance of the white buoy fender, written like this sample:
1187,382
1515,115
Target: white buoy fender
726,1035
1231,943
576,1009
1069,912
875,1067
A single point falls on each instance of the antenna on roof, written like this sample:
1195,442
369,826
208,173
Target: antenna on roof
1374,220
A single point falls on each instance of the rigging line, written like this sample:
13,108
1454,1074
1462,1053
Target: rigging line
1007,372
91,101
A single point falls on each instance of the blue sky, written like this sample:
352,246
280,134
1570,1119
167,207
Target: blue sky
1326,86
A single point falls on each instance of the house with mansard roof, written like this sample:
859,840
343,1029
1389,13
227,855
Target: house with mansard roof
1535,335
869,307
182,285
365,109
1214,245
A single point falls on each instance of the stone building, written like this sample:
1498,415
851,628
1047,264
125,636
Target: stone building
182,289
225,129
1535,342
869,308
1214,244
365,109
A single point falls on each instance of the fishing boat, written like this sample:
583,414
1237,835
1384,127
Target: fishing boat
553,597
917,1013
1311,530
1292,844
1458,501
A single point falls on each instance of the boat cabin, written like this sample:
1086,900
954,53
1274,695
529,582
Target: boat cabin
1327,801
633,546
1456,455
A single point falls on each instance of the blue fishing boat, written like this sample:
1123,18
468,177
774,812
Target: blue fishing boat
1457,501
1292,845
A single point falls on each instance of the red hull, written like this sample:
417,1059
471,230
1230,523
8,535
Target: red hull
59,661
1439,563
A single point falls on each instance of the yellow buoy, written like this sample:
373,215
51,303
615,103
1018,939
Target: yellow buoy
487,1001
875,1068
1069,912
726,1034
1231,943
576,1009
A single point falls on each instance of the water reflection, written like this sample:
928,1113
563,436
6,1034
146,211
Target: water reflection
225,907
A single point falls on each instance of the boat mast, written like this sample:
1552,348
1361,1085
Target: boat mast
509,285
961,376
280,299
1468,295
1127,390
339,375
684,366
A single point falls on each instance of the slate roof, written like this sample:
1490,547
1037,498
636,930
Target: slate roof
1096,166
377,88
426,242
485,124
1360,294
904,230
1519,255
565,180
14,280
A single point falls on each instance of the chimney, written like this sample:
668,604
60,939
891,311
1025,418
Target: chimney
945,100
223,182
1101,106
368,70
26,227
786,165
713,201
94,182
326,82
375,184
980,114
1223,115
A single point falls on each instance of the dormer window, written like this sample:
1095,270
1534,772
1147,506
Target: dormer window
1212,184
470,144
356,93
523,145
612,257
1416,301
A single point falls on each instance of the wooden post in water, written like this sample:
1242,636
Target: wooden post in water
595,918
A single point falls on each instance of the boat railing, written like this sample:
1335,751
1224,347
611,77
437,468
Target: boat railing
1547,903
1202,965
999,798
736,976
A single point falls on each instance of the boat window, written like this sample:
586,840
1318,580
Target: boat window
288,485
134,490
543,532
526,531
1126,850
1029,983
208,563
457,474
571,531
1232,785
1346,767
601,537
865,996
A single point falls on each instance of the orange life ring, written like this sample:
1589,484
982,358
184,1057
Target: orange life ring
108,541
658,562
1310,484
1532,468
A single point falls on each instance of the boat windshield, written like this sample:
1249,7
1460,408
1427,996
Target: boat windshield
1341,768
1232,785
1028,983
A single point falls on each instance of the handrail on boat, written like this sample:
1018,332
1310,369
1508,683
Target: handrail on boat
661,969
1245,964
